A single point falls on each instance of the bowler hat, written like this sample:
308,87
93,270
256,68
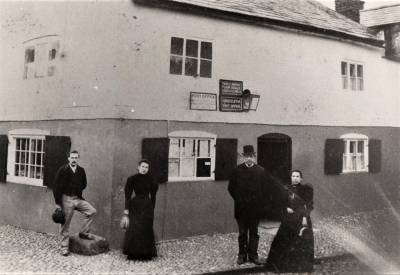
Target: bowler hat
248,150
58,216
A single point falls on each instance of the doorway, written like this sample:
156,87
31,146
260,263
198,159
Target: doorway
275,155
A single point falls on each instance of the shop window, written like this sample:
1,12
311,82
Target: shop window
352,153
31,156
41,55
190,57
191,156
352,76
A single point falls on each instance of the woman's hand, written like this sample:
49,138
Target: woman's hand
304,221
124,223
289,210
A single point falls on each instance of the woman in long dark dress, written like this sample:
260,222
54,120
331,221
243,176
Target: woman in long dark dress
292,249
140,200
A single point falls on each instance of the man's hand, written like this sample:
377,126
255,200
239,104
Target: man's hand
289,210
304,222
58,206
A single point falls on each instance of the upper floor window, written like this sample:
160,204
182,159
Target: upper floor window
191,155
355,155
41,55
190,57
352,76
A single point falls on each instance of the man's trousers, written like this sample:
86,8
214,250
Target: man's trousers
248,237
69,205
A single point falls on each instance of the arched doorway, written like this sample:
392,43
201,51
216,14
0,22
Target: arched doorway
275,155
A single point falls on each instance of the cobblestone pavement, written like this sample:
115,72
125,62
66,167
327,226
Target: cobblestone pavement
343,245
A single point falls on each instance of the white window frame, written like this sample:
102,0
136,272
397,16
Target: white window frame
347,156
44,64
199,58
197,135
12,138
353,83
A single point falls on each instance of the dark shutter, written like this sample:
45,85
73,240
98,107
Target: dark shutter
56,154
3,157
226,158
334,149
375,155
156,151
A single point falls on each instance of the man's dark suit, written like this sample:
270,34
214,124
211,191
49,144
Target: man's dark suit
248,187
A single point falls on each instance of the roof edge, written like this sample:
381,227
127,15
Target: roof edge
257,20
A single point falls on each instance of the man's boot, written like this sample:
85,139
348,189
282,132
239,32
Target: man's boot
242,258
253,255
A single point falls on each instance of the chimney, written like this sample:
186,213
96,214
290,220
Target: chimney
350,8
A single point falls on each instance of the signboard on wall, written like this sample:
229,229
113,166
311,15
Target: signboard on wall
230,87
203,101
230,104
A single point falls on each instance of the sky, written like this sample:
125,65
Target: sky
369,4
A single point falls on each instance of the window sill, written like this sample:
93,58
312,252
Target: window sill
24,183
189,180
354,172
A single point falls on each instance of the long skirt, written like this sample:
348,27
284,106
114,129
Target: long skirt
290,252
139,241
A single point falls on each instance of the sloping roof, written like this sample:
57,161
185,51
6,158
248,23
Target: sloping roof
308,13
380,16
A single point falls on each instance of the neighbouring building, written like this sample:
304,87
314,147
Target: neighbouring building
385,23
187,83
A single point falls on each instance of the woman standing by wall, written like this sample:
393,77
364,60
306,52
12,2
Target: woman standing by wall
140,200
292,249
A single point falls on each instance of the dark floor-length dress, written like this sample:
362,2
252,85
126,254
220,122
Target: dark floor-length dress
290,252
140,199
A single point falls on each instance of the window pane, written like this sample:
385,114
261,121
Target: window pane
188,167
362,162
38,159
175,65
353,83
32,173
39,147
352,146
360,84
173,148
360,146
359,70
177,45
188,148
206,50
17,153
33,144
192,48
16,173
190,66
205,68
353,163
352,70
39,173
344,82
204,148
29,55
32,158
173,167
344,68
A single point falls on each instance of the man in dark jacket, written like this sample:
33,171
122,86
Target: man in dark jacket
248,187
69,183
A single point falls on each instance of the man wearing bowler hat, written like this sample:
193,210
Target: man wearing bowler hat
247,186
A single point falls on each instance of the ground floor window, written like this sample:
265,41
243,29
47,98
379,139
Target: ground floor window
191,155
355,155
26,151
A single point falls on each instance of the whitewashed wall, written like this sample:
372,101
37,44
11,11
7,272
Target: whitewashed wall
116,65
